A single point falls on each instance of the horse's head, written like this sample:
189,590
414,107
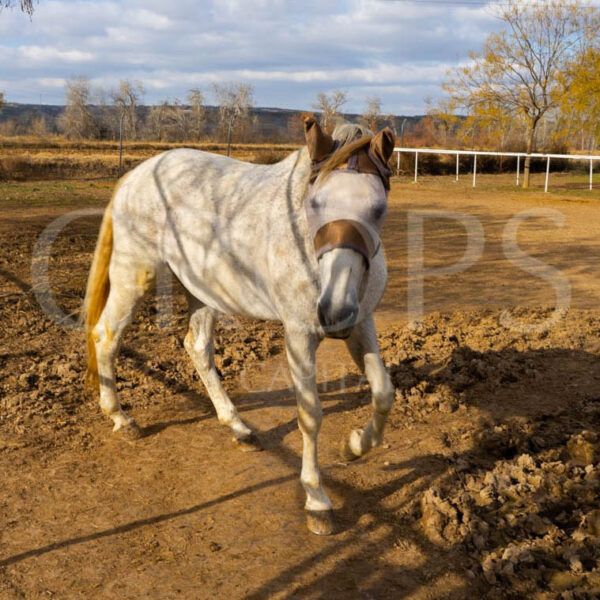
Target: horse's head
346,205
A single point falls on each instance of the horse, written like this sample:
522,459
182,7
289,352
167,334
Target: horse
296,241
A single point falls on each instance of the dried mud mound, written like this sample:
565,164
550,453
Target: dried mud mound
520,497
531,523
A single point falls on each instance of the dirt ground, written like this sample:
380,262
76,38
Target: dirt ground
487,484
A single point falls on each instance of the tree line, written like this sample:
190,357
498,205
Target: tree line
95,113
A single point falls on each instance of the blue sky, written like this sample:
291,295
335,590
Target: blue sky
289,50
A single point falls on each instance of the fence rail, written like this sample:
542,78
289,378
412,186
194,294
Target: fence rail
475,153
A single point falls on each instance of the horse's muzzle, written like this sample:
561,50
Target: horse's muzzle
337,323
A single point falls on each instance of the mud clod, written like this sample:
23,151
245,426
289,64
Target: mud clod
521,495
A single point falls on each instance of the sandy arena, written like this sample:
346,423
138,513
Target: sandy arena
487,485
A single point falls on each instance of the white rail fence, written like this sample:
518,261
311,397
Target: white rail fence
475,153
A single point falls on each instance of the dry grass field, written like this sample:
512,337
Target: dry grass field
488,482
26,159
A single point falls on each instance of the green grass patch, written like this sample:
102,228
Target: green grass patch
56,193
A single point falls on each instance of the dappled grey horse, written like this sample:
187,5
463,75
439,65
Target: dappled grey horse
297,242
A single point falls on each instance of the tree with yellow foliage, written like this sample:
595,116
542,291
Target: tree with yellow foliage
518,72
580,102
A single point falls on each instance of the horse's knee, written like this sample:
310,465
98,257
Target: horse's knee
199,352
105,340
383,396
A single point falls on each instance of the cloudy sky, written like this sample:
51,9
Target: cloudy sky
288,49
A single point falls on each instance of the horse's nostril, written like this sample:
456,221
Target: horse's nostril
346,315
336,323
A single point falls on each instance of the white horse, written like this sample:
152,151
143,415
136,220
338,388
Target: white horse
296,242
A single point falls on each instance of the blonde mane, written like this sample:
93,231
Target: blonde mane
346,135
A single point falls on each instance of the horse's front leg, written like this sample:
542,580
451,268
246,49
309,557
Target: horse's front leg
301,348
363,347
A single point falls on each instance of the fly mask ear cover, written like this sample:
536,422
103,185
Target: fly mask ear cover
347,222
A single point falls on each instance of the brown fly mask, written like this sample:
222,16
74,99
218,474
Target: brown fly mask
346,205
348,222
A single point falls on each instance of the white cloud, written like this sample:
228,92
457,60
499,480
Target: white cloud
51,82
289,50
40,54
148,19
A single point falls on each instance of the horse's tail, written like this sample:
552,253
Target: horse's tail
98,288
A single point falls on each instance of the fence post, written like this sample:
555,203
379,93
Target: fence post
474,169
416,165
457,167
547,174
518,168
591,174
398,163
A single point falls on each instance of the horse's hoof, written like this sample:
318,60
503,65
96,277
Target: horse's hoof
131,431
346,452
320,522
249,443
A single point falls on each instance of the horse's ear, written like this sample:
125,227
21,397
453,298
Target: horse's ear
320,144
382,145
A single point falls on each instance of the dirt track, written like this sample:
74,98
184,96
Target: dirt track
491,429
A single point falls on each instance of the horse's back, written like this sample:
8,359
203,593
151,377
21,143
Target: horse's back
186,175
212,220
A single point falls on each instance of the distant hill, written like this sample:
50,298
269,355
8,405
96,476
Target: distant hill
271,123
25,112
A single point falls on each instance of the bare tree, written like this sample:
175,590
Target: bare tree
38,127
77,120
107,114
1,101
195,98
127,98
25,5
235,101
329,106
372,115
155,125
518,71
168,122
179,121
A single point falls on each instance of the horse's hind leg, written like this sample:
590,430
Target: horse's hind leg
363,347
127,289
199,345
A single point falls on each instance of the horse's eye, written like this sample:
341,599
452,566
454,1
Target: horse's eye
378,211
314,203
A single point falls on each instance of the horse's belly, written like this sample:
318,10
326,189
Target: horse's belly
218,260
227,286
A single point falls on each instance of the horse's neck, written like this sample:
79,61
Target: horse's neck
295,174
